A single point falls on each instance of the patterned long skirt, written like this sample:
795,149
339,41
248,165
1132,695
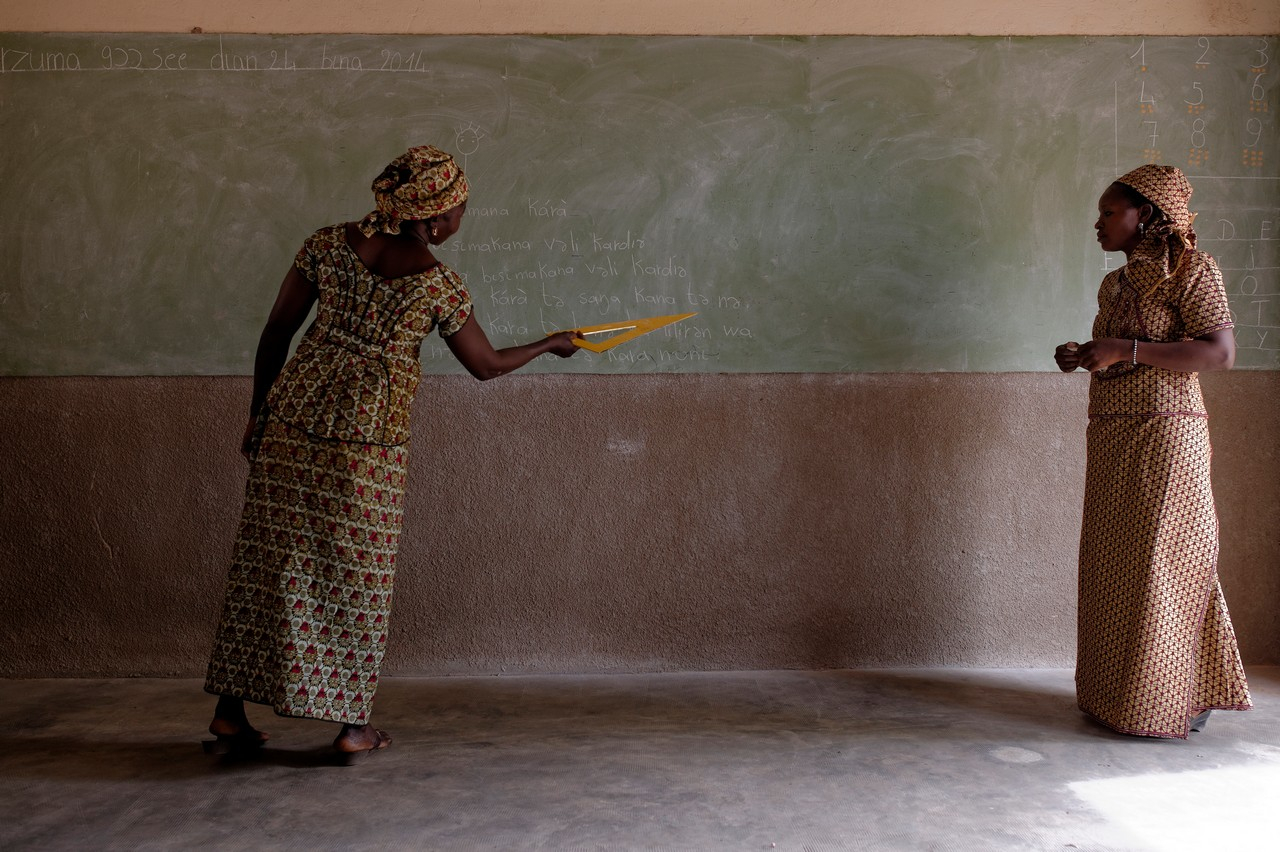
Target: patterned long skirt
1155,643
304,623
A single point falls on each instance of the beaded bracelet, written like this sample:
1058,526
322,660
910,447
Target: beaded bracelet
1135,352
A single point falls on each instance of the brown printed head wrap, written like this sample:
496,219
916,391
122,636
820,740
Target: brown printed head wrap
1168,241
421,183
1167,188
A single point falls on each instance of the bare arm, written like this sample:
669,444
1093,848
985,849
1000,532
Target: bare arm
471,346
293,303
1213,351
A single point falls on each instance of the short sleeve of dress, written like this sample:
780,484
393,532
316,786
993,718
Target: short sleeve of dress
457,308
305,262
1202,303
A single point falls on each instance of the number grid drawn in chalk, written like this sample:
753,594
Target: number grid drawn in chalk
824,204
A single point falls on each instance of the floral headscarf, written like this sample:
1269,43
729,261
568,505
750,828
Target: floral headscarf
421,183
1167,243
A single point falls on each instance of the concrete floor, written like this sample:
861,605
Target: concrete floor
922,759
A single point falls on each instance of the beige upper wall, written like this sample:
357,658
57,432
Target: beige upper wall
706,17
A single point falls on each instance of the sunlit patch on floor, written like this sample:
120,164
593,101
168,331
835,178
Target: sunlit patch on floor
1209,809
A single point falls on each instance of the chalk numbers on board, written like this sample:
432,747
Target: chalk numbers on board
1251,153
1146,106
1198,154
1141,56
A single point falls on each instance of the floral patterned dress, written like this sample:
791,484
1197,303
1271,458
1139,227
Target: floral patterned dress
1155,642
305,618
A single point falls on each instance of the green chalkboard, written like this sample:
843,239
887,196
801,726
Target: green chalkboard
825,204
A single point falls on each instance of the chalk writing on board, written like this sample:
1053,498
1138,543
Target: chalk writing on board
1212,110
1202,62
1198,152
394,60
14,61
338,61
1252,288
1256,286
824,204
547,208
157,59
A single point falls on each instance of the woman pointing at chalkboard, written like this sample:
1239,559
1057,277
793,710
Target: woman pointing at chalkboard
305,618
1156,650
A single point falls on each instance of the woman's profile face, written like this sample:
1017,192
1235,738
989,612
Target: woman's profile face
447,223
1117,224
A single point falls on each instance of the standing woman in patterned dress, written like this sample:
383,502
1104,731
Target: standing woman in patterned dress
304,622
1156,651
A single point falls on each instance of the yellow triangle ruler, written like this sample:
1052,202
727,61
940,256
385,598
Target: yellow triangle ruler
623,330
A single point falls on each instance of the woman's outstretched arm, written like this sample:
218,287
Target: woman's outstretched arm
471,346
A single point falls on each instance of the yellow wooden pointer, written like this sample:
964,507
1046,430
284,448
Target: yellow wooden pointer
624,330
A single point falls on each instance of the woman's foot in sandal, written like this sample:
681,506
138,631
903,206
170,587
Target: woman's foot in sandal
357,742
231,730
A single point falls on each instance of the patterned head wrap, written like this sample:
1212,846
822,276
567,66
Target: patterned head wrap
421,183
1167,242
1167,188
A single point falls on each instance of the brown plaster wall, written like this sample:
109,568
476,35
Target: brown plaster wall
641,17
633,523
